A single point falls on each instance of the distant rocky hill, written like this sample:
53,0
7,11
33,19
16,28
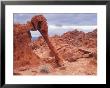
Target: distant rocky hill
79,38
74,38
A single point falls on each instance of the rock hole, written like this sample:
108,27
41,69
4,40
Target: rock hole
35,35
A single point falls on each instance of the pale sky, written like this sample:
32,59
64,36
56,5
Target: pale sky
62,22
80,19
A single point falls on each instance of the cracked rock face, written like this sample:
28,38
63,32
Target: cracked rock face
23,54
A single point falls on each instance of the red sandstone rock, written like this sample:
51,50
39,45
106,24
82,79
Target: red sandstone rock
23,54
77,51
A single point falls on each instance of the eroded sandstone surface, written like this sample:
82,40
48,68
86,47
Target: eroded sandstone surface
76,49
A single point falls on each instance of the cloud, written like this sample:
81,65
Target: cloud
59,30
60,18
60,23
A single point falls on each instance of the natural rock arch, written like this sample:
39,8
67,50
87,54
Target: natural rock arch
23,54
